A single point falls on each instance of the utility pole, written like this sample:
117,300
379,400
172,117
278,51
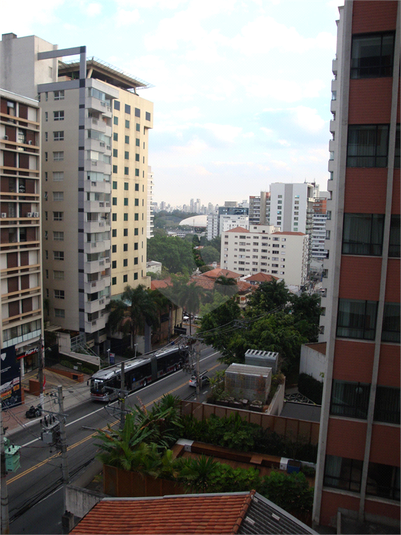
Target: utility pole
63,440
198,378
41,375
122,396
5,523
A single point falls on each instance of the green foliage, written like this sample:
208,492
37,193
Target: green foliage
174,253
291,492
310,387
209,254
269,297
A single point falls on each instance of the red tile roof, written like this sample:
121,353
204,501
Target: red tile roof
203,514
238,229
289,233
261,277
218,272
156,284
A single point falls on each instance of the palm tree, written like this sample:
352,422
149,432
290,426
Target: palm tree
227,286
190,296
132,312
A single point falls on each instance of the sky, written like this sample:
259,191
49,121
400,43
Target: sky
241,88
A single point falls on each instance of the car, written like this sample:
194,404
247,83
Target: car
204,380
185,318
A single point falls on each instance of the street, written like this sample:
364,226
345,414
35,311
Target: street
35,494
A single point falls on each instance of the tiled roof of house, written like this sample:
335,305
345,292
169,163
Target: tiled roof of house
206,514
157,284
218,272
238,229
261,277
197,514
289,233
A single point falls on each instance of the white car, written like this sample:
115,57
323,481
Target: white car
204,380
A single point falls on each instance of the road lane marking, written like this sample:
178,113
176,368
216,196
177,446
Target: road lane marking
82,441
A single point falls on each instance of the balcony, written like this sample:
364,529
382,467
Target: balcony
96,226
102,207
96,286
96,306
95,325
97,186
334,66
98,166
98,105
332,126
97,246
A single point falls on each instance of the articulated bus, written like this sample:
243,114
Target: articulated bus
138,372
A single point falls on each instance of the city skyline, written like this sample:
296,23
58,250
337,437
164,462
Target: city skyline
241,90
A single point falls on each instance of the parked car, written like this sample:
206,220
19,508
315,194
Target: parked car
204,379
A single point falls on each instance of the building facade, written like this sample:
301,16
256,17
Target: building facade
318,236
358,467
20,248
264,249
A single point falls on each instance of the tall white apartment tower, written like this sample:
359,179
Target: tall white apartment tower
291,206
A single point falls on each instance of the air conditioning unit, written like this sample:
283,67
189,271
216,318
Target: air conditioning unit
35,214
3,214
29,214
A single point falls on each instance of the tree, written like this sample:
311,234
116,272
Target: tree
174,253
227,286
209,254
130,314
190,296
268,297
306,309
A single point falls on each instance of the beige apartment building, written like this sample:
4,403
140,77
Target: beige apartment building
95,179
20,247
264,249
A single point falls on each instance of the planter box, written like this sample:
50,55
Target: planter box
293,466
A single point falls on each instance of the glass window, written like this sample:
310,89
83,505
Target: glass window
363,234
127,108
125,262
135,276
391,323
136,202
114,248
138,127
114,217
137,112
126,171
114,233
114,201
349,399
125,247
137,143
58,136
342,473
125,278
125,217
115,169
136,187
59,294
58,235
114,281
387,405
114,184
58,156
397,148
58,216
136,217
383,481
125,201
58,176
147,116
58,95
372,55
356,319
394,246
115,136
126,155
115,120
125,232
127,140
116,105
114,264
115,153
58,115
59,313
367,146
58,255
136,172
126,124
58,196
126,186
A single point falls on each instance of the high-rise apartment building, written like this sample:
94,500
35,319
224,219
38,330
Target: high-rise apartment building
259,208
20,248
318,236
358,467
95,179
150,205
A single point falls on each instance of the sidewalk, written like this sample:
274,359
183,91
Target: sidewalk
74,393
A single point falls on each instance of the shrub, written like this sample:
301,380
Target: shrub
311,388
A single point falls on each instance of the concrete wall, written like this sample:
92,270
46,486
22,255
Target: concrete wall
313,362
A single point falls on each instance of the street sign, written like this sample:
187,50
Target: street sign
112,358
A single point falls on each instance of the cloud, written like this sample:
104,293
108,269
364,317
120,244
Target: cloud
30,15
93,9
308,119
223,132
126,18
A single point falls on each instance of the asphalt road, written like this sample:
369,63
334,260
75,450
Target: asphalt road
35,495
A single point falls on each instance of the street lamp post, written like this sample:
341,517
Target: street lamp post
135,346
108,356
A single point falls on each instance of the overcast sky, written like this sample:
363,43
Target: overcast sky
241,88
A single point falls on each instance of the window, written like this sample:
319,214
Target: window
125,247
114,281
372,55
58,236
46,136
114,233
137,112
135,276
58,294
58,216
387,405
342,473
126,155
136,232
125,201
114,264
356,319
115,169
147,116
115,153
137,157
115,136
135,246
127,139
136,217
350,399
137,143
58,136
125,262
58,115
126,186
125,278
114,217
126,170
126,124
125,217
128,109
114,248
391,323
136,172
383,481
136,260
58,176
58,255
394,246
136,202
58,95
58,275
58,196
115,120
59,312
58,156
138,127
125,232
114,184
116,105
114,201
367,146
136,187
363,234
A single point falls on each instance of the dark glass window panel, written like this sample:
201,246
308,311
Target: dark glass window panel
356,319
383,481
391,323
343,473
372,55
394,246
363,234
367,145
387,405
350,399
116,105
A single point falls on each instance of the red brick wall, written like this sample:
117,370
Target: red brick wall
331,502
374,16
370,101
353,361
393,281
395,207
382,509
346,438
365,191
385,445
389,367
360,277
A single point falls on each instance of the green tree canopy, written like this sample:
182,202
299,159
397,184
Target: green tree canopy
174,253
209,254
